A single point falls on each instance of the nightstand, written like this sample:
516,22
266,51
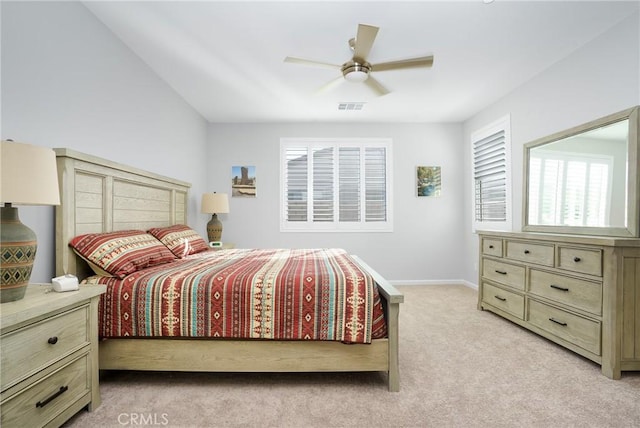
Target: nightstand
49,355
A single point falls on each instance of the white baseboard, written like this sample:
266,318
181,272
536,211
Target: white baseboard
470,285
435,282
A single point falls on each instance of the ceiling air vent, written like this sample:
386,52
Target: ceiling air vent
350,106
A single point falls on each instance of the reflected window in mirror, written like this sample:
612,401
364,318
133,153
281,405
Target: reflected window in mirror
585,198
573,182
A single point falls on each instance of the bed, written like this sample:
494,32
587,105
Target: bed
99,195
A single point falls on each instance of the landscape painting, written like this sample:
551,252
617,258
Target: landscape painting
243,181
428,181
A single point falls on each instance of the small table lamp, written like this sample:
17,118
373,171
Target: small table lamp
29,177
215,203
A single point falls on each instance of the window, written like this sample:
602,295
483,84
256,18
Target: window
491,176
335,185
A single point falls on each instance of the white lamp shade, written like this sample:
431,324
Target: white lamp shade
215,203
29,175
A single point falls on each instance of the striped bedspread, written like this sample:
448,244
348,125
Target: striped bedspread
285,294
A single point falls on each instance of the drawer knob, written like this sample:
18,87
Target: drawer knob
491,247
501,272
53,340
576,259
526,251
55,395
564,324
557,287
502,299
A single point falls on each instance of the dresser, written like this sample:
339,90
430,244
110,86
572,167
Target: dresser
49,356
581,292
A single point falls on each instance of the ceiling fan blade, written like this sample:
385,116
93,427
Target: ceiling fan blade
376,86
311,63
364,41
425,61
330,85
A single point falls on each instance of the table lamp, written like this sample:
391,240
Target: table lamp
29,177
214,203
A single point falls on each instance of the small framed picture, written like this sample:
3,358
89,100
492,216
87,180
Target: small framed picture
428,181
243,181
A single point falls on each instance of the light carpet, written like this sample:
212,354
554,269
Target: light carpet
459,367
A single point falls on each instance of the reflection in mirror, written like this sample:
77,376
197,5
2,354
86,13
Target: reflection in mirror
585,180
581,180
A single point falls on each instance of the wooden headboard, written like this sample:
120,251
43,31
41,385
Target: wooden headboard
97,195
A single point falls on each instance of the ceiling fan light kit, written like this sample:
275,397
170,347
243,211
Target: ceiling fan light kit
355,71
358,69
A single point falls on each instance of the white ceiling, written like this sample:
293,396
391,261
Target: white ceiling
226,58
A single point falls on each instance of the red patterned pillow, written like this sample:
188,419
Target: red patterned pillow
180,239
121,253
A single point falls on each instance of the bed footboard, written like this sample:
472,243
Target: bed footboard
391,299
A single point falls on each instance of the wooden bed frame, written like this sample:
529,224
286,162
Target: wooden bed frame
98,195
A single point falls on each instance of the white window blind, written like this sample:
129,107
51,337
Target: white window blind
491,176
349,191
341,185
322,184
296,173
375,184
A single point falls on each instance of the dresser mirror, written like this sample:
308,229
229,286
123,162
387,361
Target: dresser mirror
585,180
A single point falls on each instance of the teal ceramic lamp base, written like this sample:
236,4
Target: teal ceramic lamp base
17,253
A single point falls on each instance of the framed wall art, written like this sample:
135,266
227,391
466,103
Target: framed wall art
428,181
243,181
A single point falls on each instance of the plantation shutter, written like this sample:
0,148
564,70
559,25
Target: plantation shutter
296,184
490,177
340,185
349,184
322,183
375,173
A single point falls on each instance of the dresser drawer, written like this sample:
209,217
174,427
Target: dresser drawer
503,273
502,299
539,254
581,294
492,247
580,260
36,405
580,331
38,345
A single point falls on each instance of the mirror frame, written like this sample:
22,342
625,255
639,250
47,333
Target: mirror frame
633,179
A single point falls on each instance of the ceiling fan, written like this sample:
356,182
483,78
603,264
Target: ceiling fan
358,69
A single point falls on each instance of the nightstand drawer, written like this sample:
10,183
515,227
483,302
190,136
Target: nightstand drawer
541,254
502,299
580,260
581,294
580,331
38,404
31,348
503,273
